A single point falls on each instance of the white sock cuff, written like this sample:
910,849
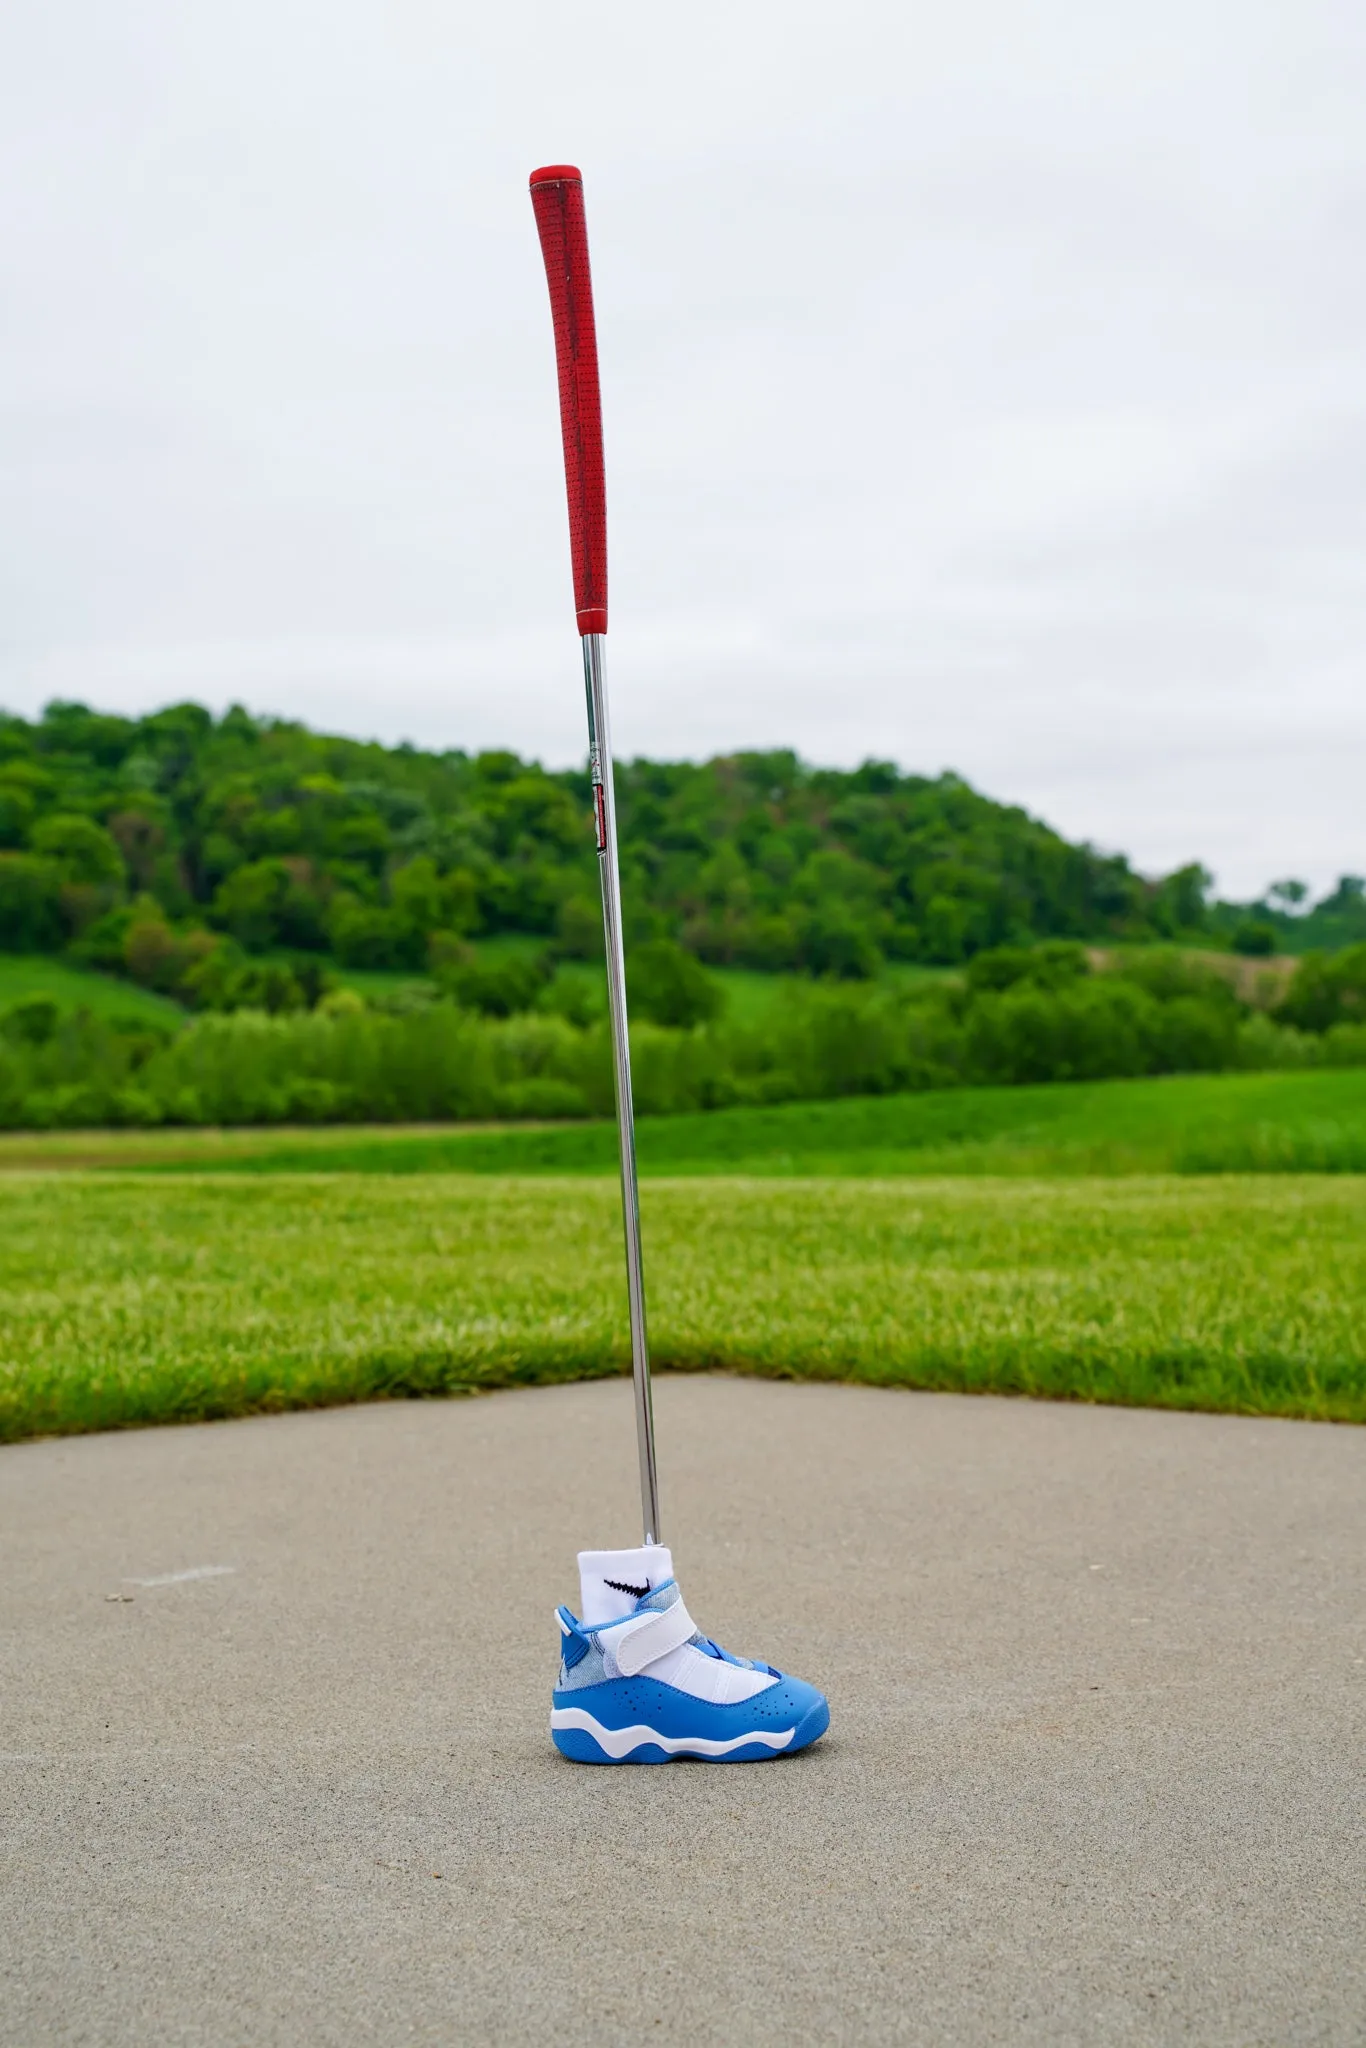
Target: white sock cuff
611,1581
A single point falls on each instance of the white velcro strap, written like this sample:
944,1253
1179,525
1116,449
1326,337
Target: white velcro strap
646,1636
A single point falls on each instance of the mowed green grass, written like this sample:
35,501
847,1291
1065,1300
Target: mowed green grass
73,988
129,1299
1312,1122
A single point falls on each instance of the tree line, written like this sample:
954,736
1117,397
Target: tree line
194,854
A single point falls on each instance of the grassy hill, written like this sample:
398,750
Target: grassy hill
76,988
1183,1124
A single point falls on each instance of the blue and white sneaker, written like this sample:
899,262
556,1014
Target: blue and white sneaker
648,1686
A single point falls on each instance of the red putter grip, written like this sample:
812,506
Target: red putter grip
557,197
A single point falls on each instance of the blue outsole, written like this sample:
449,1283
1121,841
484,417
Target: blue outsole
580,1747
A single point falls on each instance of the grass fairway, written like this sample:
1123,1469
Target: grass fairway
133,1299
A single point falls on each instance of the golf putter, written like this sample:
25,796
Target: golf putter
557,197
638,1681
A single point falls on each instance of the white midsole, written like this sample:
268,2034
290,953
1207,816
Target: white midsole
619,1742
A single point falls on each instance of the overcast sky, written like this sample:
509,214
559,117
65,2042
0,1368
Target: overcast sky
985,387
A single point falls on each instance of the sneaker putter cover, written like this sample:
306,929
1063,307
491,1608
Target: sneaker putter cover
639,1683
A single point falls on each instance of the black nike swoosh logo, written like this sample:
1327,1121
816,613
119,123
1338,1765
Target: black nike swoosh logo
636,1592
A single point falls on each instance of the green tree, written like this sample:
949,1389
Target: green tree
1178,903
30,904
270,902
80,849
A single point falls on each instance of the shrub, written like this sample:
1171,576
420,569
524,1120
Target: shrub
30,1022
1058,963
426,1058
668,986
498,987
577,993
1255,938
541,1097
1029,1033
1264,1045
578,928
369,935
1327,989
1166,973
834,939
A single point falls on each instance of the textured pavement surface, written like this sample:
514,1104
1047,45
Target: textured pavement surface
1095,1772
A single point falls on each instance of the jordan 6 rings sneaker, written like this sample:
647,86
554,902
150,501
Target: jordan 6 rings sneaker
640,1684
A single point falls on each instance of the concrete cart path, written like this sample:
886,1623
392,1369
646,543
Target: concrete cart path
1095,1773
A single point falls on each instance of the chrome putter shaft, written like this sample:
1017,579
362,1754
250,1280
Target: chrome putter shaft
605,814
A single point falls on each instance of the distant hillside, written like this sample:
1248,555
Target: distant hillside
171,847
